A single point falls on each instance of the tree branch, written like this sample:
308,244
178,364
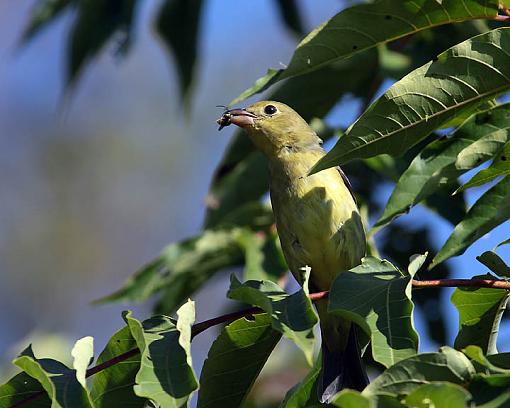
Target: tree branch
457,283
230,317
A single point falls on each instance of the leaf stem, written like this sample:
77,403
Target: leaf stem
230,317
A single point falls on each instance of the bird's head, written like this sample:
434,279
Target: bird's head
272,126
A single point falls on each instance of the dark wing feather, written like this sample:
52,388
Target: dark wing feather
347,183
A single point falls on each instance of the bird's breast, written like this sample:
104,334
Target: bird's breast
318,224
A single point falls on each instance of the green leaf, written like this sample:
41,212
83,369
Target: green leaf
44,12
491,210
165,374
178,25
450,208
96,23
377,297
230,189
290,15
484,148
304,394
264,258
58,380
114,385
427,98
235,360
407,375
500,167
439,395
181,269
505,242
492,261
501,360
351,399
490,391
416,261
83,354
21,387
291,315
502,399
476,354
311,95
394,64
254,215
490,386
480,311
365,26
434,168
260,85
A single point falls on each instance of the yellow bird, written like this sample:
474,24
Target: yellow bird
318,223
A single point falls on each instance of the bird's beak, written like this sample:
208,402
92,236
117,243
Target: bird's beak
239,117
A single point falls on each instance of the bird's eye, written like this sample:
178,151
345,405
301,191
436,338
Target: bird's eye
270,109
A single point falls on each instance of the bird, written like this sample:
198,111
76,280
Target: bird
318,224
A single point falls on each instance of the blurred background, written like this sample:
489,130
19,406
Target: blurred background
97,178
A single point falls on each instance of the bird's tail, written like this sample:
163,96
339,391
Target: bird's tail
342,369
342,366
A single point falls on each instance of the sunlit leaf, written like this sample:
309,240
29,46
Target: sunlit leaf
407,375
438,395
292,315
491,210
165,374
480,311
461,78
434,168
364,26
234,361
351,399
83,354
486,146
362,295
476,354
58,380
114,385
416,261
500,167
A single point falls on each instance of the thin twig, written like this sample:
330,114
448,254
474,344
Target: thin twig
457,283
227,318
230,317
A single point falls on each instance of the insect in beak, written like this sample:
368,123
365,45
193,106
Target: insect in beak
239,117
